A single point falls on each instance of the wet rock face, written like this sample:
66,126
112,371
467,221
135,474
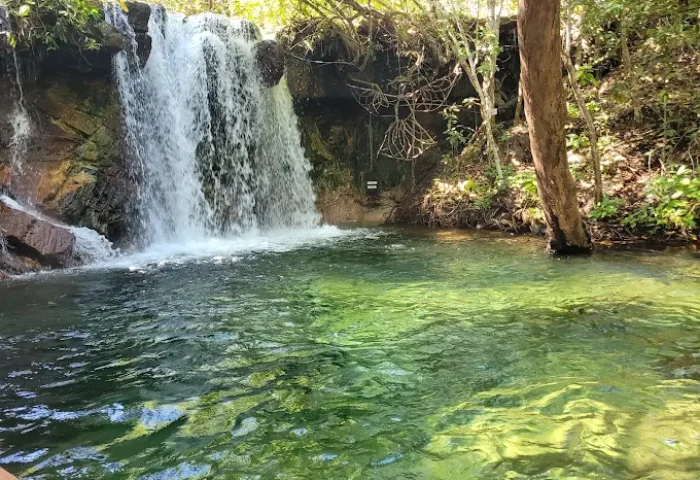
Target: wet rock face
342,139
139,15
75,169
269,56
28,236
113,41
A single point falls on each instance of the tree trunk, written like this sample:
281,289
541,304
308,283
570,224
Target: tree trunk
519,106
489,86
590,126
632,72
539,37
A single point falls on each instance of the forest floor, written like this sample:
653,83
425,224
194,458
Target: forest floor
651,186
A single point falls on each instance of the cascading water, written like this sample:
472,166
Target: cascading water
18,117
217,153
89,245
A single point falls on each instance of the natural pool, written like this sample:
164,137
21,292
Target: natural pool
392,354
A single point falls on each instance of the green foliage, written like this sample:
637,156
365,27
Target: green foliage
608,209
525,181
491,172
586,76
673,203
572,110
578,142
477,193
53,23
456,133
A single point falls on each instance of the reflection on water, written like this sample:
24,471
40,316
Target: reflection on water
407,355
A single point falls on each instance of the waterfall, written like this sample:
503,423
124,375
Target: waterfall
216,153
18,117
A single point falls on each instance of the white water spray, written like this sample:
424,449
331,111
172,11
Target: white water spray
3,246
18,117
217,153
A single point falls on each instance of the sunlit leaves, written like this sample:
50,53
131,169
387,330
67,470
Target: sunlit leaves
24,11
73,22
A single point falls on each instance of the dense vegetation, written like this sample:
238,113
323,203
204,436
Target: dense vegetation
633,109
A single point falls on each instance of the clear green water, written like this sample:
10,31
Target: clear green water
406,355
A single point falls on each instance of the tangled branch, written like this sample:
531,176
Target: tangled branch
406,139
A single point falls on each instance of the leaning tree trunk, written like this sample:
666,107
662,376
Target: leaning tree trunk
545,108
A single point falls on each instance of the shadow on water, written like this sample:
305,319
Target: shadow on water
407,355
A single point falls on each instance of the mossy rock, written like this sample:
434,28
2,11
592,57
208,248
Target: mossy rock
87,151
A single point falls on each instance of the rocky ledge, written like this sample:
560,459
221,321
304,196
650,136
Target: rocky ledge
30,242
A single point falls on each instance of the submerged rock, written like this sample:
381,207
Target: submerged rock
35,238
269,57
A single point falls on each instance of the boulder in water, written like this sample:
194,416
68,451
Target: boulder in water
35,238
269,56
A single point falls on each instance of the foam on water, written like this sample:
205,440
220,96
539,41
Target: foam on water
222,250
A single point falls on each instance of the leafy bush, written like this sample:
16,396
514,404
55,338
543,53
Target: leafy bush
457,134
586,76
526,183
608,209
57,22
673,203
577,142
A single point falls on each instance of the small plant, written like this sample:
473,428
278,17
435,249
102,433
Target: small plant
527,182
608,209
491,173
573,110
593,106
586,76
673,203
456,133
577,142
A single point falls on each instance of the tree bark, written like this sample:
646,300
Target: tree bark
489,86
632,72
519,106
590,127
539,37
468,50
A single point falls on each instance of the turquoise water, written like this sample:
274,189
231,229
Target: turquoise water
393,355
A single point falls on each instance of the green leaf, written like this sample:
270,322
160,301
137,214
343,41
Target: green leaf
24,11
